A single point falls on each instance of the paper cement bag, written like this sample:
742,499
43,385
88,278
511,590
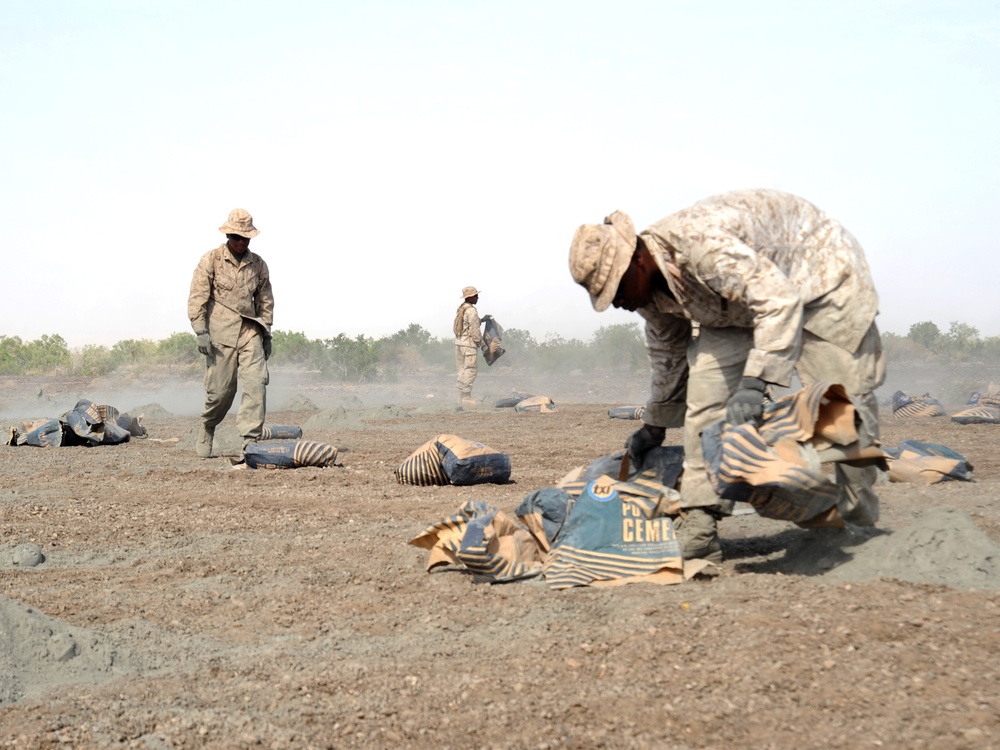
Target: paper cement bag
614,533
281,432
542,404
926,463
492,335
485,541
289,454
449,459
906,406
777,467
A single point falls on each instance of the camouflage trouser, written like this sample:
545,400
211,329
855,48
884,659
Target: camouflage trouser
717,358
243,366
466,360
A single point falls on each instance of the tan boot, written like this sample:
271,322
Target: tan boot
204,445
698,535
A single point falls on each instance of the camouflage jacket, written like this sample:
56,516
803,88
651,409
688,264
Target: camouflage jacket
760,259
470,324
225,291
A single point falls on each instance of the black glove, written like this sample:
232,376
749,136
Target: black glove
267,347
642,441
747,402
204,343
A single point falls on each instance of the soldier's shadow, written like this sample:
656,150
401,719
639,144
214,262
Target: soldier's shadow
805,552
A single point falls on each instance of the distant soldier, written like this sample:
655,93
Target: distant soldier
468,342
775,286
231,310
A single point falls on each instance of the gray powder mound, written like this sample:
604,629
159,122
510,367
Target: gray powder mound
349,400
389,411
38,653
150,411
299,402
336,417
942,546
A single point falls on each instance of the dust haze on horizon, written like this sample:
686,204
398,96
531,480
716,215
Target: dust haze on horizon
392,153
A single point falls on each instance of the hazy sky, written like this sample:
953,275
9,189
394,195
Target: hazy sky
393,152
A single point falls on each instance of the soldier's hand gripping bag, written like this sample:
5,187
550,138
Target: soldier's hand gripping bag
289,454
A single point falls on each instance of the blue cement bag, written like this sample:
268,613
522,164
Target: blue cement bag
281,432
289,454
449,459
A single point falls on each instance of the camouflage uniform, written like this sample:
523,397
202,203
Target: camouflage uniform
468,342
775,287
231,298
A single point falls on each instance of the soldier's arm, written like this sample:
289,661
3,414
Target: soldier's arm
667,339
201,292
264,298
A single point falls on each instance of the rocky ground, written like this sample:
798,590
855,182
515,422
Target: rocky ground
182,603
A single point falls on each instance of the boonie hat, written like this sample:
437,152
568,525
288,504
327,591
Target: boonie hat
240,222
469,291
600,255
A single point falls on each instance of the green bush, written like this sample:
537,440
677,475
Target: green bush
48,354
613,348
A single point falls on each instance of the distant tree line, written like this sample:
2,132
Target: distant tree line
413,349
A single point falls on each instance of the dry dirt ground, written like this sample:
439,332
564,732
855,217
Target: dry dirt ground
185,604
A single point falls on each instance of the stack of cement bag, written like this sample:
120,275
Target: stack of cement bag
86,423
905,406
281,447
982,408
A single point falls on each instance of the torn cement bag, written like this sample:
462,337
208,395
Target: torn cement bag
289,454
86,423
613,533
542,404
485,541
449,459
492,334
926,463
40,433
280,432
544,512
905,406
778,467
93,424
626,412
